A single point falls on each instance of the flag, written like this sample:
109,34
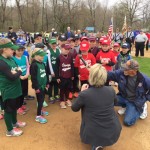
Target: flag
124,28
110,30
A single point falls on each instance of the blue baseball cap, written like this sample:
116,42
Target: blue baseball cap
125,45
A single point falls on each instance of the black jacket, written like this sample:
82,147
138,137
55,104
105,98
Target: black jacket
100,125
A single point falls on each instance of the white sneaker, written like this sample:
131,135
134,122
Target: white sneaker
122,111
14,132
144,114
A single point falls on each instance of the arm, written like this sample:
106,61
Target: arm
57,68
33,72
114,75
78,103
113,61
4,68
49,62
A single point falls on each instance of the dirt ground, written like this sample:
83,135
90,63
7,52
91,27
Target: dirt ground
62,132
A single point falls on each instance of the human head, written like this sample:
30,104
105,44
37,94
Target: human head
98,75
71,41
10,29
77,41
105,45
117,30
92,41
68,29
116,47
62,40
38,54
38,38
65,49
20,51
130,68
125,48
84,47
53,43
7,48
129,28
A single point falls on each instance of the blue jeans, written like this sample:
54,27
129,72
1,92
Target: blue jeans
131,113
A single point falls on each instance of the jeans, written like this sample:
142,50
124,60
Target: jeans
131,113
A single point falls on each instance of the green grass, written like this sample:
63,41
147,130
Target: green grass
144,65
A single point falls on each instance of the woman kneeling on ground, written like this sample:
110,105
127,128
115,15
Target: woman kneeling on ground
100,126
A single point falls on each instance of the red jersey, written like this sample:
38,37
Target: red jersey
83,71
106,57
115,54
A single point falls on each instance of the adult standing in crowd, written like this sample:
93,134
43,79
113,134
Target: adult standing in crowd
129,37
148,41
117,37
133,93
100,126
12,35
20,32
140,42
69,33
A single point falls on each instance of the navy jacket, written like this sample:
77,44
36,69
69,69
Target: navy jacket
142,87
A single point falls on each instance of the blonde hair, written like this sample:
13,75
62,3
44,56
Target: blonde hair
98,75
2,42
32,52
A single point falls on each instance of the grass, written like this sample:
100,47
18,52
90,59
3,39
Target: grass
144,65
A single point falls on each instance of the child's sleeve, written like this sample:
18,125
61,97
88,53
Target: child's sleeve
28,66
33,72
98,58
4,68
57,67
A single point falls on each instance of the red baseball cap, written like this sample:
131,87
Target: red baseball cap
101,40
66,46
84,46
106,42
92,38
84,38
116,45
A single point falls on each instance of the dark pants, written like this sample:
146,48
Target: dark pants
65,85
139,48
75,83
10,112
147,44
40,99
50,90
1,103
24,86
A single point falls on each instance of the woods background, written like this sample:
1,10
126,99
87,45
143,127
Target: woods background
42,15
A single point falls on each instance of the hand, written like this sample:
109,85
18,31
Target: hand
58,80
37,91
13,72
19,69
47,87
84,87
72,78
79,76
53,75
22,77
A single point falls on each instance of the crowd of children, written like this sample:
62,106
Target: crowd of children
57,68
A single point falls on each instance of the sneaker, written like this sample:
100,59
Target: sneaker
122,111
24,108
19,124
29,97
1,116
68,102
52,100
45,104
76,94
57,98
40,119
62,105
70,95
14,132
144,114
20,111
44,113
99,148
